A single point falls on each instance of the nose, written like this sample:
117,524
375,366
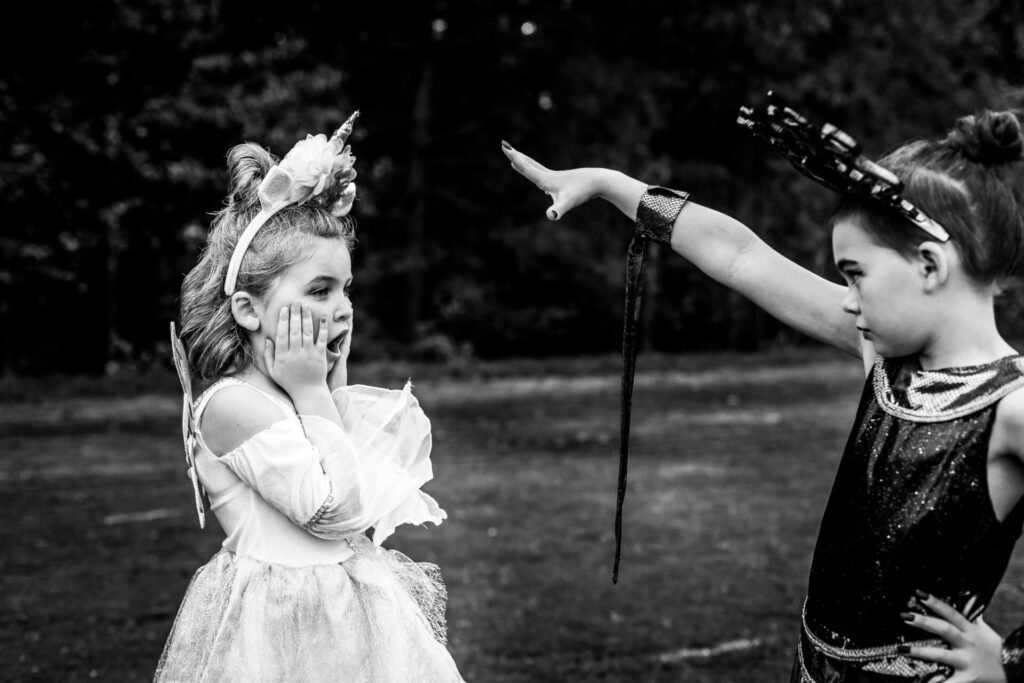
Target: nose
342,314
850,303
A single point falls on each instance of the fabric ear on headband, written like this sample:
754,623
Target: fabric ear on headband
275,187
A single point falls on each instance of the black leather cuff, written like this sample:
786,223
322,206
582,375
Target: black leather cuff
659,207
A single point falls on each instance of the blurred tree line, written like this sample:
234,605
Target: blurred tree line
116,115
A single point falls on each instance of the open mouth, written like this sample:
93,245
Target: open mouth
334,345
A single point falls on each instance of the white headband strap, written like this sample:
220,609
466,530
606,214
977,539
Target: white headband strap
241,247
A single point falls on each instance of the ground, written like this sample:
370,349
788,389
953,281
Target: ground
732,459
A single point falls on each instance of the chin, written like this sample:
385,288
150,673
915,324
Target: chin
894,350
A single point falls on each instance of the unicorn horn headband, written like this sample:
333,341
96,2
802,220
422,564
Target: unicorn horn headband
314,169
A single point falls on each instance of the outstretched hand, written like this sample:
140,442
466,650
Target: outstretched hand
567,189
974,651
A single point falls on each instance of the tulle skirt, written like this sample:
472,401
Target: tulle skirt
377,617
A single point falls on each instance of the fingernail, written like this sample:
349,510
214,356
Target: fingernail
912,603
921,595
903,649
505,145
552,214
907,616
323,319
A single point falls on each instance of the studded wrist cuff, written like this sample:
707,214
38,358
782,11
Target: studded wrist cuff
659,207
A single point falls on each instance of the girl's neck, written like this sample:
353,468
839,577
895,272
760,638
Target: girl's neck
968,336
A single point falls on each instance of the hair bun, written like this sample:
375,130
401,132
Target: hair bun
248,164
993,137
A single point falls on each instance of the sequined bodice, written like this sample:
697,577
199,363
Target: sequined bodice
910,508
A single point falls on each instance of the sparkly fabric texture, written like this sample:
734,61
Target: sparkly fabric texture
910,507
817,661
1013,656
812,665
377,617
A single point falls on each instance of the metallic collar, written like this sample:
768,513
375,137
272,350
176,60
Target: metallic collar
906,391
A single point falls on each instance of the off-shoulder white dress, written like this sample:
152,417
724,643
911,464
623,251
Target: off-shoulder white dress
299,591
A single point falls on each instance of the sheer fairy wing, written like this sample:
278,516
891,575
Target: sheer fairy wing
188,434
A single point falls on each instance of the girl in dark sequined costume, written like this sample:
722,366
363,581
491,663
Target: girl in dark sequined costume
926,505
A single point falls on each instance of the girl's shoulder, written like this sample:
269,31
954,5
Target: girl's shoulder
1009,425
231,412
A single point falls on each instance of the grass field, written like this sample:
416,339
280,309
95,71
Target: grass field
732,459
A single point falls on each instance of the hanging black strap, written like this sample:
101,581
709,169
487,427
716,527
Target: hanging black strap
659,207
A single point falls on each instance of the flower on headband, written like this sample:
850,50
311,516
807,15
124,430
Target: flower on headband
301,174
310,162
310,167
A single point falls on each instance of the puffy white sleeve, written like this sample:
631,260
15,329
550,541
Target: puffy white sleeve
390,429
284,467
336,483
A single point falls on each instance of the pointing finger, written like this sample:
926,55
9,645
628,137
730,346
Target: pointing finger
528,167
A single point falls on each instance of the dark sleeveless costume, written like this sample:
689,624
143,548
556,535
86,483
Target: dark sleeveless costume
910,509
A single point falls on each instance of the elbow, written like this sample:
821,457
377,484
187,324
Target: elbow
339,518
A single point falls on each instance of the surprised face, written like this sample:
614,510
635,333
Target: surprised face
322,282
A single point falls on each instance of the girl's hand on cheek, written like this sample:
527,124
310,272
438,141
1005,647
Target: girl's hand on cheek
295,360
974,650
338,376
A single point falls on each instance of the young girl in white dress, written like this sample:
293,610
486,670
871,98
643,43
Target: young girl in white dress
306,474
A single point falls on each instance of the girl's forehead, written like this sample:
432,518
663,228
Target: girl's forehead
324,257
848,237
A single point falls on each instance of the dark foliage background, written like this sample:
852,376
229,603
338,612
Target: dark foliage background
115,116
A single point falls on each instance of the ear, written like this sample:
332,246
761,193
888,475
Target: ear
934,265
245,308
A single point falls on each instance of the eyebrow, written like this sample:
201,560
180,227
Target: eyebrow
326,280
321,280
